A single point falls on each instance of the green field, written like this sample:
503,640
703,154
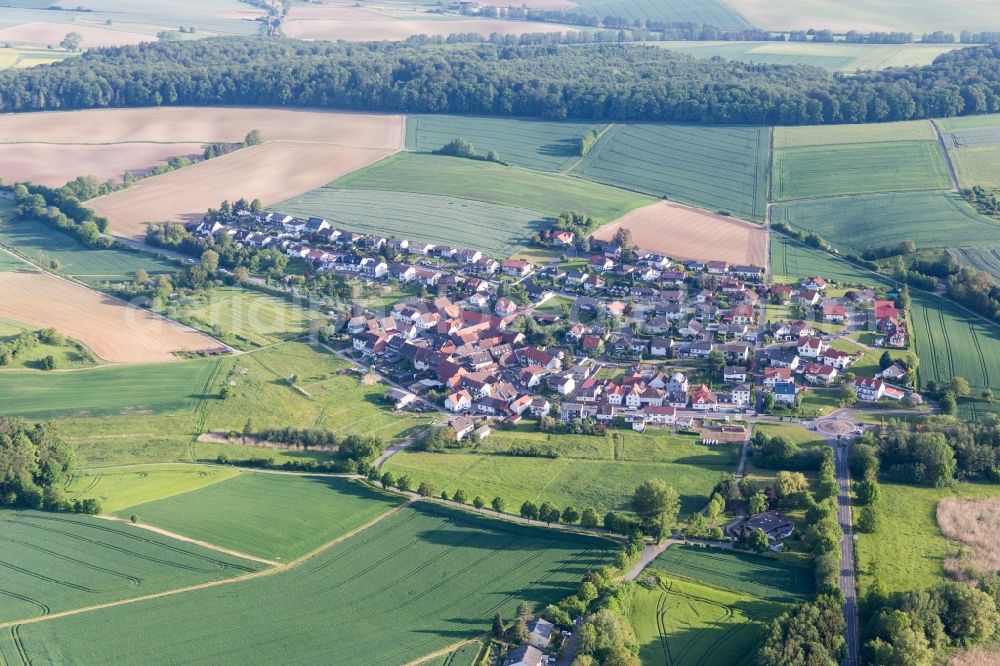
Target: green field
825,135
497,230
278,517
859,168
45,245
967,123
54,562
710,12
719,168
22,57
117,488
833,57
243,318
110,390
907,552
463,656
69,355
535,144
855,224
418,581
484,181
951,342
977,166
791,261
982,258
590,472
712,606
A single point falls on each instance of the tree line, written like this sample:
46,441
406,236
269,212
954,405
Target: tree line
602,81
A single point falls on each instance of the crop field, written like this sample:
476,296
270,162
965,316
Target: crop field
463,656
54,562
302,150
21,58
244,318
534,144
117,488
113,330
497,230
493,183
718,168
791,261
45,245
953,343
826,135
986,121
867,15
975,523
712,606
689,233
325,395
112,390
274,516
590,472
71,354
977,166
836,57
982,258
856,224
410,585
908,552
859,168
711,12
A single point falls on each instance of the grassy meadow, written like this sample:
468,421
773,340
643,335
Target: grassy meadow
791,261
493,183
68,355
55,562
534,144
718,168
118,488
858,168
712,606
908,551
274,516
498,230
589,472
855,224
414,583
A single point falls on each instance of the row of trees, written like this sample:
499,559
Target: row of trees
59,208
619,82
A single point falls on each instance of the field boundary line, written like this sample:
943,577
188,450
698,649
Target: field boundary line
210,584
181,537
442,652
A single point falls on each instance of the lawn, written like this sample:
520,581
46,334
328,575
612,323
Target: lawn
243,318
907,551
492,183
274,516
792,261
952,343
55,562
718,168
498,230
858,223
868,364
325,395
765,477
554,305
589,472
69,355
118,488
833,57
53,249
860,168
534,144
109,390
418,581
713,606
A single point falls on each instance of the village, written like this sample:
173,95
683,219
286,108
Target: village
637,339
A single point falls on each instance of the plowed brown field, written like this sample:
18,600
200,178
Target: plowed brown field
681,232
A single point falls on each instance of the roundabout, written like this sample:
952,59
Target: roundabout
837,427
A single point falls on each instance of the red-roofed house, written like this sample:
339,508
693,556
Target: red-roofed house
703,399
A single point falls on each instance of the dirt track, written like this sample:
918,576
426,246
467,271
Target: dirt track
681,232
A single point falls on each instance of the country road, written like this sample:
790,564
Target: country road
847,578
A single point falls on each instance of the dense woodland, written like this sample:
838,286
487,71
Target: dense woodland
601,81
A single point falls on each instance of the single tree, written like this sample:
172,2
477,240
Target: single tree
885,360
404,483
72,41
254,138
570,515
590,518
498,627
960,387
529,511
460,497
498,504
758,503
210,261
425,489
657,506
387,479
141,276
758,541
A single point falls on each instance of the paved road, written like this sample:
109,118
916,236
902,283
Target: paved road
847,579
947,156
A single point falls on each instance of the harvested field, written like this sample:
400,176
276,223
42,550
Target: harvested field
688,233
44,34
977,656
867,15
975,523
270,172
54,165
114,331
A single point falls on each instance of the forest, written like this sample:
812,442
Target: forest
593,81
